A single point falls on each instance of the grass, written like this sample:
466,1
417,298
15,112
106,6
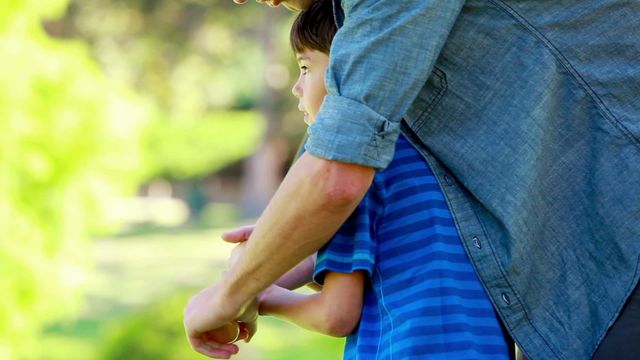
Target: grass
135,297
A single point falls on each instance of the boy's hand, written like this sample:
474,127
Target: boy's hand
238,235
236,253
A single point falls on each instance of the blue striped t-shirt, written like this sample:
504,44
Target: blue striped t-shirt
423,299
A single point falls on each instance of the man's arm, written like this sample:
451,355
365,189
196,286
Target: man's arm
314,199
334,311
299,276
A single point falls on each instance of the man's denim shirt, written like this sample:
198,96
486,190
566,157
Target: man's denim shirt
529,114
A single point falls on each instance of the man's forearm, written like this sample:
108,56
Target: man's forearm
314,199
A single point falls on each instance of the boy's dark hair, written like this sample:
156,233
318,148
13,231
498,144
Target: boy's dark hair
314,28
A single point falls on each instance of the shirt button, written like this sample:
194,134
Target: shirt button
448,180
506,298
476,242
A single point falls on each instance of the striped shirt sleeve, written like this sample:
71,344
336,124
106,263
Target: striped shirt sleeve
353,247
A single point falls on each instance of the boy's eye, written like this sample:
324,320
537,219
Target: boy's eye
304,69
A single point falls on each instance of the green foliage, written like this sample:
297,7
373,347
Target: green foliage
188,56
69,139
154,333
193,60
72,138
188,148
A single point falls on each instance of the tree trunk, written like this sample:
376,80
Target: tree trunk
264,170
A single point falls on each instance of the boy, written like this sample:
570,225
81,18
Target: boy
395,277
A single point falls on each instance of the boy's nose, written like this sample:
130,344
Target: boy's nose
295,90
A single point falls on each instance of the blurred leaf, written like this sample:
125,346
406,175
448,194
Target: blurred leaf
184,149
69,139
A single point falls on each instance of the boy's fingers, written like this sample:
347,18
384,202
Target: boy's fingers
247,330
251,328
238,235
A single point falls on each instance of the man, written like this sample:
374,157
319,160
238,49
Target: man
529,115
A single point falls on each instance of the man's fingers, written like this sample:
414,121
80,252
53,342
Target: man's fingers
269,2
211,348
211,352
238,235
217,351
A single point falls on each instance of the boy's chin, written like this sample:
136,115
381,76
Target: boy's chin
308,119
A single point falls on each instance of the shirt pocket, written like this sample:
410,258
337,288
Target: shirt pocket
428,98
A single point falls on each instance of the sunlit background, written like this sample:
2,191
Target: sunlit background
132,133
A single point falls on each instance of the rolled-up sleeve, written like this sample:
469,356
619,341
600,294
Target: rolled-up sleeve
380,59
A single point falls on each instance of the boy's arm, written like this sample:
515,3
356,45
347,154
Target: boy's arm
299,276
334,311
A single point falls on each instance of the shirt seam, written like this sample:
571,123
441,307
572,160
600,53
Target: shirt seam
384,305
602,107
379,343
442,77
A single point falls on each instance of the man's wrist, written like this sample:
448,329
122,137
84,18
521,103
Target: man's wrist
226,298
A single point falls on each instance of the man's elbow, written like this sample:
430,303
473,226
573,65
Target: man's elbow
340,195
345,184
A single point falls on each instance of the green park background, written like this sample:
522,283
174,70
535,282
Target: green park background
132,133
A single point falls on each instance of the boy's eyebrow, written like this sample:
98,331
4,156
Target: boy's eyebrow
302,57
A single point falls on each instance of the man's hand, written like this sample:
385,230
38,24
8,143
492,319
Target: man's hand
207,314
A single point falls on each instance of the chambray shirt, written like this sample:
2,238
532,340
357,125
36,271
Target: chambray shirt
528,112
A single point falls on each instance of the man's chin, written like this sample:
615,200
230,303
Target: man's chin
296,5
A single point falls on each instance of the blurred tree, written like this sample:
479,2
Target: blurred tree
264,169
198,62
69,139
72,137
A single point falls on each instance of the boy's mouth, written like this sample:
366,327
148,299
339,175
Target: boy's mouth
305,115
